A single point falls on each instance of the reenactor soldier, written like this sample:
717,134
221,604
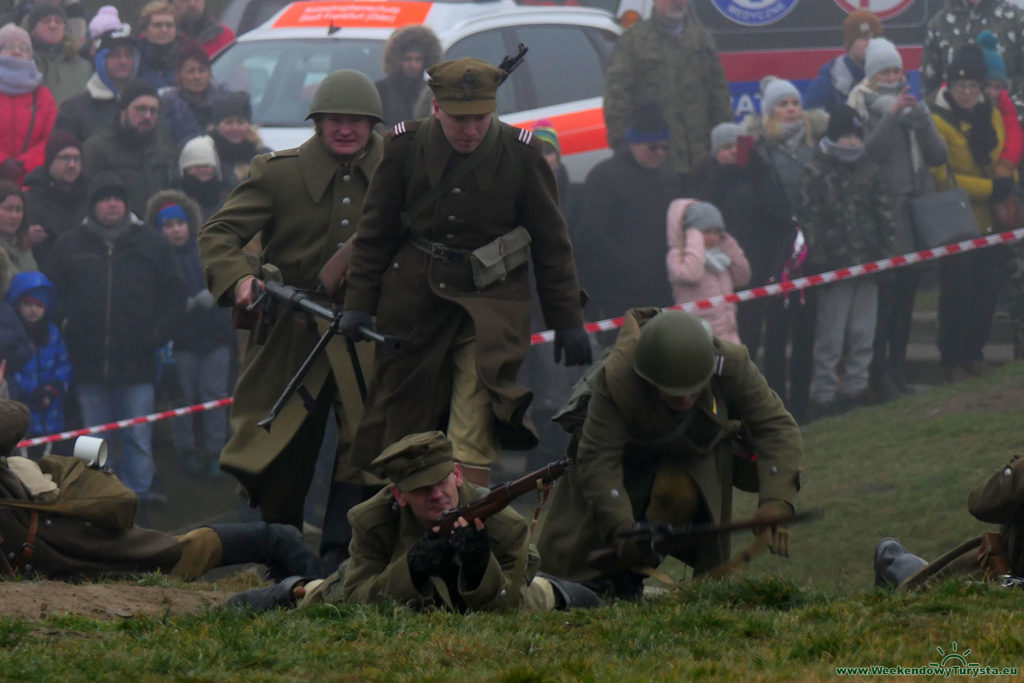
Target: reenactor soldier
40,532
397,553
302,203
995,555
458,206
654,431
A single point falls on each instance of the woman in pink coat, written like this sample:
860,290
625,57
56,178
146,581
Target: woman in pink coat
704,261
27,109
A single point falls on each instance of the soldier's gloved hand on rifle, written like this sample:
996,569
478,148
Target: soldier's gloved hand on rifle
429,556
473,547
575,343
771,511
351,321
633,551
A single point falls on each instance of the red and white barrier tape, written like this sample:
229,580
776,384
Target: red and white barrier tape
121,424
548,336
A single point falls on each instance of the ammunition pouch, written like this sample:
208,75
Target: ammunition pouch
495,260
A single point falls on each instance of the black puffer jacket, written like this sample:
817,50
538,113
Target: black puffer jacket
52,206
121,302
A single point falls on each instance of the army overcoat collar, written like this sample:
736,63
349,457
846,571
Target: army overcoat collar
318,166
438,151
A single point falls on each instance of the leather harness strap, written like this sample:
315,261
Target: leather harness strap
28,548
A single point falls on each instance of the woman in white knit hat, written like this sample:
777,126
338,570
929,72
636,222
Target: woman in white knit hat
901,138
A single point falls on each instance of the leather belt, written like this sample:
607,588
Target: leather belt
29,546
439,251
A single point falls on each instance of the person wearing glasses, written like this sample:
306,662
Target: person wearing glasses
137,148
158,44
55,198
620,238
973,131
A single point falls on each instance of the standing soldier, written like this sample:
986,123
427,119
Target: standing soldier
302,203
441,262
653,440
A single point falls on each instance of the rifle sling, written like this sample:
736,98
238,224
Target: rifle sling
452,178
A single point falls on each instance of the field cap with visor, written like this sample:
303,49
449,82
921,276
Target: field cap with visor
415,461
466,86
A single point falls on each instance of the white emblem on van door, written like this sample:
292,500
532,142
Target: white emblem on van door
883,9
754,12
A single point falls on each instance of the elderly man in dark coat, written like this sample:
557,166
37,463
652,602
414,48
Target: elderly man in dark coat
440,261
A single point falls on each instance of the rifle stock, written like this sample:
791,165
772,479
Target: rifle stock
502,495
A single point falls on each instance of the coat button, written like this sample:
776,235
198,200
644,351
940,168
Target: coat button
344,222
451,219
346,177
773,469
449,236
457,190
442,285
346,200
614,493
395,265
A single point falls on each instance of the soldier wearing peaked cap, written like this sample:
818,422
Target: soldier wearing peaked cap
302,203
396,554
459,205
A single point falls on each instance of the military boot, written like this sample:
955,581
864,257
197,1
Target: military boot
278,546
572,595
893,563
279,596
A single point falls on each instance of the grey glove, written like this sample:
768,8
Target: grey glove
351,321
202,300
575,343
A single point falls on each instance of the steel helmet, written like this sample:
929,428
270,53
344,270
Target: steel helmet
675,353
346,92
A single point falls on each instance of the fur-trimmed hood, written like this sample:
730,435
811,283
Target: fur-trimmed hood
815,120
195,216
399,42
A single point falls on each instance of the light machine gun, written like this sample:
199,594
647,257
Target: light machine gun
265,302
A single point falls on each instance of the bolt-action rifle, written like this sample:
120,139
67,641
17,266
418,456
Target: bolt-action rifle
662,539
502,495
265,302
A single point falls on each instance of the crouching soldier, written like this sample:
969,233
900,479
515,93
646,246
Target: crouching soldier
43,530
653,440
992,555
398,554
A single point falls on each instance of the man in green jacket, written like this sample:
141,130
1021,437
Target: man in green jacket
656,443
670,60
301,203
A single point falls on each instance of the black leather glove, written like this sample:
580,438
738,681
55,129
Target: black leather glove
429,556
575,343
351,321
1001,189
473,547
633,552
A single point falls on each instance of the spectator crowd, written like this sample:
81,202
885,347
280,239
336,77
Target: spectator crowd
118,146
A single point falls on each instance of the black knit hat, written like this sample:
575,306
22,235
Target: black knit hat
232,104
40,11
844,120
968,65
60,140
137,87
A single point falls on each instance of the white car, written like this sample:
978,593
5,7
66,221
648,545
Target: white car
562,78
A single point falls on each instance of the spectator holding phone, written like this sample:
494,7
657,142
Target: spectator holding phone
901,138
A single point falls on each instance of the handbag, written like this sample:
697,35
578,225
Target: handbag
943,217
1006,214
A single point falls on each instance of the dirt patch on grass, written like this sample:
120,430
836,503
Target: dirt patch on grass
1002,397
41,599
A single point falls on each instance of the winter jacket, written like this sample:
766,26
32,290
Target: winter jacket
25,124
958,23
833,83
398,95
235,158
787,168
1013,147
121,302
158,64
682,75
201,328
65,73
845,213
15,346
905,147
18,253
691,280
56,208
89,111
145,168
206,31
187,115
620,238
755,210
976,181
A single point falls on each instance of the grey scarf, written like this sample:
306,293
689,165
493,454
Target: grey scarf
18,76
716,260
791,136
845,154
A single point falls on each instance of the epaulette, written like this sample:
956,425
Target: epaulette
525,136
403,127
719,364
282,153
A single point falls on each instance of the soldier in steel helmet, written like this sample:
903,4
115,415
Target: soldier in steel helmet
653,439
460,204
302,203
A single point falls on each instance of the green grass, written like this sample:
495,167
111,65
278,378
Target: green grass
903,469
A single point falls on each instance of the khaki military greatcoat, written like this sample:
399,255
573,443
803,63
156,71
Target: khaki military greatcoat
383,533
629,429
302,203
428,300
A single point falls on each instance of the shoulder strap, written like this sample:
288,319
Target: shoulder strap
452,178
31,122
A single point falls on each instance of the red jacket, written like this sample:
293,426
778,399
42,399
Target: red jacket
25,124
1013,148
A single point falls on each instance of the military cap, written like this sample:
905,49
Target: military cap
417,460
465,86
